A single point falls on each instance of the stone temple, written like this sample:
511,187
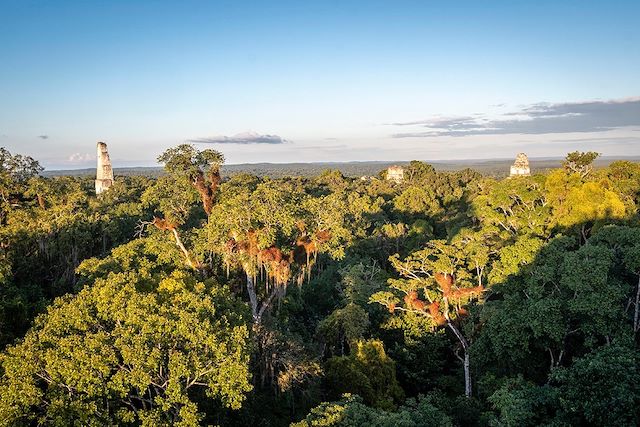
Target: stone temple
104,171
520,166
395,173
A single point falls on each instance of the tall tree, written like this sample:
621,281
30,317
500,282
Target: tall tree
447,277
200,168
580,162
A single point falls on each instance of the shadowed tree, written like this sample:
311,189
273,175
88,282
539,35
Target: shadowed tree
368,372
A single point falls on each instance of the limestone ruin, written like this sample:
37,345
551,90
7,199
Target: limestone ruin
395,173
104,171
520,166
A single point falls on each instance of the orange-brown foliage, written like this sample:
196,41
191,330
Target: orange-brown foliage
434,312
463,312
308,244
412,301
206,194
463,292
163,224
273,260
232,245
252,243
445,281
271,254
323,236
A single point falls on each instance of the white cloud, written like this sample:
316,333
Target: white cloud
80,158
241,138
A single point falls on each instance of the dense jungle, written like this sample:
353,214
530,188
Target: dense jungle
450,298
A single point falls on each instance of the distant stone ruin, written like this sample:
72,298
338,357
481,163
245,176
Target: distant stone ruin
520,166
395,173
104,171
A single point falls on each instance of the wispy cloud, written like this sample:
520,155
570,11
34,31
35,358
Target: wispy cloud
616,139
542,118
43,136
241,138
323,147
80,158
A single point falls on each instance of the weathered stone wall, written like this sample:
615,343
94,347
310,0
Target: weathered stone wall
104,171
395,173
520,166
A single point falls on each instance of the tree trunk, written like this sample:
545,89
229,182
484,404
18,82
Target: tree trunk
636,314
256,313
266,303
162,224
467,374
253,299
466,362
184,250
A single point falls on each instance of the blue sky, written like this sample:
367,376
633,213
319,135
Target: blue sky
318,81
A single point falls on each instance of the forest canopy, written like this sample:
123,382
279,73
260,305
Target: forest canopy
445,299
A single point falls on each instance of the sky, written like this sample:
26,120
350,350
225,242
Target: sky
307,81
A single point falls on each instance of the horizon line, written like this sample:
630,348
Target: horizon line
450,161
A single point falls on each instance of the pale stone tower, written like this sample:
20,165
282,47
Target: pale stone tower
395,173
521,166
104,172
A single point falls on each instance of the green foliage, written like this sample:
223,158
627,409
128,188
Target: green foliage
513,207
579,162
359,281
601,388
512,258
351,412
590,202
417,172
185,160
171,199
522,403
625,176
52,227
462,260
422,362
368,372
417,200
333,179
15,171
569,294
343,326
130,347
